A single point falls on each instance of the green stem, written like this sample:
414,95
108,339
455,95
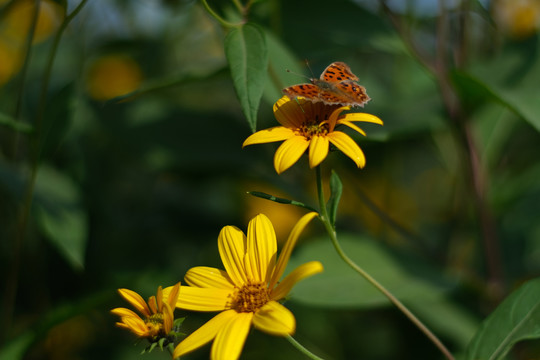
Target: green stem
238,5
323,216
302,349
219,19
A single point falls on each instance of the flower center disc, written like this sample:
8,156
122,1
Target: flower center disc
309,130
154,323
251,297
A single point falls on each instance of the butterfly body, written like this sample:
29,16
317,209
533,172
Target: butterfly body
336,86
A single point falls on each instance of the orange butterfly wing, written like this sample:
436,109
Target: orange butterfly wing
354,92
337,86
337,72
308,91
343,87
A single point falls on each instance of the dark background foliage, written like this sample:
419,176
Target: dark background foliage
131,191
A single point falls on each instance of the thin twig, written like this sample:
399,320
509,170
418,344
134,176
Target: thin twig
414,50
458,119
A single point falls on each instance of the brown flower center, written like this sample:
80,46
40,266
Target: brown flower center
310,129
154,323
250,297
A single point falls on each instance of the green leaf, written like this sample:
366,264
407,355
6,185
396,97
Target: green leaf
16,349
336,188
60,215
510,79
406,277
161,342
522,101
14,124
279,200
245,48
516,318
178,322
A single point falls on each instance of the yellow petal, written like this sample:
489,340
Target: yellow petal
289,246
318,149
208,277
232,249
289,152
363,117
204,334
290,113
303,271
172,296
152,304
261,247
352,126
123,312
277,133
135,325
231,337
136,300
347,145
203,299
275,319
168,318
332,120
159,299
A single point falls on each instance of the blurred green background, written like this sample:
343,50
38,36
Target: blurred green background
141,165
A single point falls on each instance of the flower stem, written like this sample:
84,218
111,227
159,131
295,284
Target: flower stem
302,349
222,21
323,216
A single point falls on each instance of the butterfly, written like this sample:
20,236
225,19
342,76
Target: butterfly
337,86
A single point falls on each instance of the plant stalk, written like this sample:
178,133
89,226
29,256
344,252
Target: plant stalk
323,216
302,349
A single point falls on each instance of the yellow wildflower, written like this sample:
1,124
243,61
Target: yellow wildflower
247,292
307,124
158,317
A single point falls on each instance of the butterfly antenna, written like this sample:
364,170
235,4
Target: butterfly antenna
295,73
309,67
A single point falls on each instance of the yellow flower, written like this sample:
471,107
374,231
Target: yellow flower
10,60
18,20
517,18
113,75
247,293
158,314
306,124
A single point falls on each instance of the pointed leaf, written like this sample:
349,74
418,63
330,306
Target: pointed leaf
15,349
245,48
516,318
336,188
509,79
266,196
405,276
161,342
59,213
